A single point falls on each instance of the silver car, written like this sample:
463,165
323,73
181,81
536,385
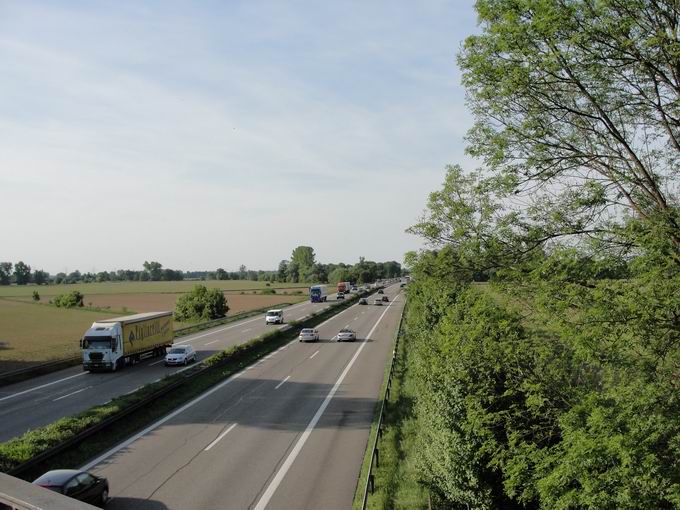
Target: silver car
180,355
309,335
346,335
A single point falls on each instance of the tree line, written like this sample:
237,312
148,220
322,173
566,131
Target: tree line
301,268
556,384
21,274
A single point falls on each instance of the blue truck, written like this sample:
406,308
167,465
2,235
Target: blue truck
317,294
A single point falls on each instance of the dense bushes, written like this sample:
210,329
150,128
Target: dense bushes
201,304
69,300
555,393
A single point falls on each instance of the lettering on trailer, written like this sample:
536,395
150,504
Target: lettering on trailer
140,332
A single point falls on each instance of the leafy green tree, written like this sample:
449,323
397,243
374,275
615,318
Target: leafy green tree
22,273
36,295
392,269
293,272
103,276
40,277
282,273
69,300
577,109
339,274
304,256
5,273
201,304
221,274
556,387
154,269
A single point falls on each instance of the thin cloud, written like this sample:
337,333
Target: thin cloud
193,120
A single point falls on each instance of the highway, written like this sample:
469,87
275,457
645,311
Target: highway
289,431
45,399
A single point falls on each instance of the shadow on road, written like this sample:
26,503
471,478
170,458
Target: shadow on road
136,503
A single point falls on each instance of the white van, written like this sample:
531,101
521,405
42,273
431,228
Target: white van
274,317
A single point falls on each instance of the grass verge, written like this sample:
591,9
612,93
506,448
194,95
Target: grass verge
208,373
396,483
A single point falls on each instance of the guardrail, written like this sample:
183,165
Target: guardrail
375,453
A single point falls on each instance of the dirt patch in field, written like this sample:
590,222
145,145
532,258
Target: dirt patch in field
291,290
158,302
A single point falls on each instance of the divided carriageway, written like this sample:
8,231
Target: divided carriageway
42,400
290,431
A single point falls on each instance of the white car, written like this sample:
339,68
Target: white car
377,302
274,317
309,335
180,355
346,335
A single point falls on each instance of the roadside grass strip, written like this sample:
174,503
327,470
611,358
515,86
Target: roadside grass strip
395,480
22,456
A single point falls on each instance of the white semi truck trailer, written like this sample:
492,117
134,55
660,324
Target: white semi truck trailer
110,344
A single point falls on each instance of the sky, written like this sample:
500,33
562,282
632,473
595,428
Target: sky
209,134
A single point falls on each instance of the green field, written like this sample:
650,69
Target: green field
140,287
34,333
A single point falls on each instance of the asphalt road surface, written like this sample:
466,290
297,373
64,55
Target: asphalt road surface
43,400
288,432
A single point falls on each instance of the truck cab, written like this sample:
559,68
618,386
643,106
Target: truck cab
317,294
102,347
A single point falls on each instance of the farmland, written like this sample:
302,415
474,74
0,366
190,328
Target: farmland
141,287
31,332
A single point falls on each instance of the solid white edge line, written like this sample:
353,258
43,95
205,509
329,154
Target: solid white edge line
281,383
278,478
219,438
41,386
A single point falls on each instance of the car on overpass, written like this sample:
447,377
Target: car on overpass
76,484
